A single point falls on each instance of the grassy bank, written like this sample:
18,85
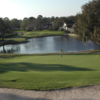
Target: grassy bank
42,33
22,38
46,72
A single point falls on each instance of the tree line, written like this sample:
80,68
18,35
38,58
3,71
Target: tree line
51,23
39,22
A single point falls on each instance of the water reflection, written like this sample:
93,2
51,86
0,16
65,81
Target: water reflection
51,44
9,50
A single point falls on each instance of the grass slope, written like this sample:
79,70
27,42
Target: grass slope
46,72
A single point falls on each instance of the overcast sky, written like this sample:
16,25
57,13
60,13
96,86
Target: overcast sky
47,8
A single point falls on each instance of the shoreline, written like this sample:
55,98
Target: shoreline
60,53
70,34
43,36
16,42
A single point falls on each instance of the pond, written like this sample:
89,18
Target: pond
51,44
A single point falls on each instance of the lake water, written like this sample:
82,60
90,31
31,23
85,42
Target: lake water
51,44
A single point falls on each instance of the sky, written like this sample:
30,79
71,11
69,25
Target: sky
47,8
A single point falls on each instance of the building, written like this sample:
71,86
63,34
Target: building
68,27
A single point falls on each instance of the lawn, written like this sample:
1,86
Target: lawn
43,33
47,72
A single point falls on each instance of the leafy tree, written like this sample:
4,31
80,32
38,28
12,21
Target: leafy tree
25,23
30,26
39,22
52,18
15,23
2,28
57,23
31,20
5,27
88,22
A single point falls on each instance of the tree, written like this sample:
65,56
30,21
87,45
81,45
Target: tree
8,26
58,22
31,20
2,28
39,22
5,27
52,18
88,22
25,23
15,23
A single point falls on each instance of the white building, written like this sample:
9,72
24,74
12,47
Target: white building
69,27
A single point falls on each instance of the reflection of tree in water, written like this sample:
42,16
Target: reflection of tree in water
98,42
92,40
27,46
84,40
11,50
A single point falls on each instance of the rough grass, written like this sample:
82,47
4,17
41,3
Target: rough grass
46,72
19,39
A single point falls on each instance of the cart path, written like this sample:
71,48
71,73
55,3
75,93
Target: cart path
81,93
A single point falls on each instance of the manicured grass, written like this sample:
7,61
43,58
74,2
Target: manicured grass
43,33
19,39
46,72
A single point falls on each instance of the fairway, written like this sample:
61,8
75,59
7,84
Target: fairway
47,72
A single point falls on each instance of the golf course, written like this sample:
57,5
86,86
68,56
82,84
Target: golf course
49,71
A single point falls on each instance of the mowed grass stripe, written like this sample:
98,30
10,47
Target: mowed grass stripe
46,72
